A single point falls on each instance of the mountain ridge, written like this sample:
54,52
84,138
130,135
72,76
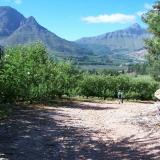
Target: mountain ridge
134,26
8,14
121,41
22,30
16,29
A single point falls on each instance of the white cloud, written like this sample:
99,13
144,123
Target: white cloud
113,18
13,1
17,1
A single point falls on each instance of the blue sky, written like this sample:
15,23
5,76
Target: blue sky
73,19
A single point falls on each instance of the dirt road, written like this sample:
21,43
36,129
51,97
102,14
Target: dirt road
81,131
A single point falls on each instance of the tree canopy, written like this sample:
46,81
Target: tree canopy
152,19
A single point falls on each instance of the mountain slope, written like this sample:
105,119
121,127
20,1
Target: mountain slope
111,48
10,20
119,42
17,29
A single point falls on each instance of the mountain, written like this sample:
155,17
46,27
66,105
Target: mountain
121,42
16,29
112,48
10,20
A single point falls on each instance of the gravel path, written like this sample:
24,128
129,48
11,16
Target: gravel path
81,131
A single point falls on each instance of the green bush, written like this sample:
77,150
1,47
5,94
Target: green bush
142,89
27,73
108,86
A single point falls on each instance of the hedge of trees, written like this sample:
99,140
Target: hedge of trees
108,86
27,73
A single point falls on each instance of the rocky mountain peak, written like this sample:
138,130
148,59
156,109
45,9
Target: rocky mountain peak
31,20
135,26
10,20
136,29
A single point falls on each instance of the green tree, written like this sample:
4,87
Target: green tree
27,73
152,18
23,71
66,79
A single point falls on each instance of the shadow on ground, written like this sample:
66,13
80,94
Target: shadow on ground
34,134
79,105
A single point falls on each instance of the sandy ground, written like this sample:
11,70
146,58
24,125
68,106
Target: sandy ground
82,131
117,122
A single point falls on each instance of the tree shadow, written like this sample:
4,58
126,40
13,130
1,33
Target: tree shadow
35,134
143,102
78,105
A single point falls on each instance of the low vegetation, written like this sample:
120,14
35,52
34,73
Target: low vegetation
27,73
108,86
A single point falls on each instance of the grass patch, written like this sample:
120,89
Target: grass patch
5,111
108,100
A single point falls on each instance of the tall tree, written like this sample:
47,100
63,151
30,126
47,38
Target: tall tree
152,18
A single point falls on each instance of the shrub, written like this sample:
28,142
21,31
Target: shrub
108,86
28,74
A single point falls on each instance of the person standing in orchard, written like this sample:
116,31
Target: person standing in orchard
120,96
